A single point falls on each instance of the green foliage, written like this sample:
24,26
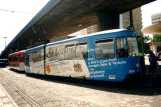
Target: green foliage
146,48
156,38
146,38
143,46
146,45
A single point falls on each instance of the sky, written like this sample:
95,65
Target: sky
15,14
11,23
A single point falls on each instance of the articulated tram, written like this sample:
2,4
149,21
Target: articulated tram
108,55
16,60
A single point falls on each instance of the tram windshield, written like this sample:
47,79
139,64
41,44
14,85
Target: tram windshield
133,46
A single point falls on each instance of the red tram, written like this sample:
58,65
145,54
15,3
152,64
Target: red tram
16,60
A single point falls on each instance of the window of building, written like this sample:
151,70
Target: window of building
104,48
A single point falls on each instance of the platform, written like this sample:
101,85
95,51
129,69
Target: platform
5,99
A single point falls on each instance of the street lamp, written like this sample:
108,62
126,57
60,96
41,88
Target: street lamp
5,41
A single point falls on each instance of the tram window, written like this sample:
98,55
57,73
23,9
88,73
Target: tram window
21,58
104,48
36,56
121,50
133,46
82,51
55,53
10,59
60,53
70,51
15,58
27,57
51,53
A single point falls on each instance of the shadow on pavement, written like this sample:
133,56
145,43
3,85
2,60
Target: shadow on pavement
147,85
17,71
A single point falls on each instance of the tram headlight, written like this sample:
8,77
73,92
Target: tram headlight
137,65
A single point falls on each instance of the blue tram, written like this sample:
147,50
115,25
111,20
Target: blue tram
108,55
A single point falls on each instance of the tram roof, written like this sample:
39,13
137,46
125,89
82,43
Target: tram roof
19,52
93,34
62,17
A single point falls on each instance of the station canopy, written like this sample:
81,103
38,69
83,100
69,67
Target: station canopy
62,17
152,29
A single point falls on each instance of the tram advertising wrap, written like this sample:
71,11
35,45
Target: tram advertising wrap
61,61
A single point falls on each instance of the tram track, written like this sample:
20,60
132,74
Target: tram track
9,85
33,103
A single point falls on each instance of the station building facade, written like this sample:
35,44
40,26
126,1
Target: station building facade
156,18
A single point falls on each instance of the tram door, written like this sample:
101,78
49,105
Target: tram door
27,64
122,56
81,58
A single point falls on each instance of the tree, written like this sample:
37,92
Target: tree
146,38
156,38
146,45
143,45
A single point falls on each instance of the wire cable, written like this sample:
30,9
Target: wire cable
16,11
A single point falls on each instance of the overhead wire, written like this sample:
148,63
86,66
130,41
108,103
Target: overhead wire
13,11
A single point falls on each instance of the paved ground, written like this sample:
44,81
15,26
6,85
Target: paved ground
5,99
38,91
